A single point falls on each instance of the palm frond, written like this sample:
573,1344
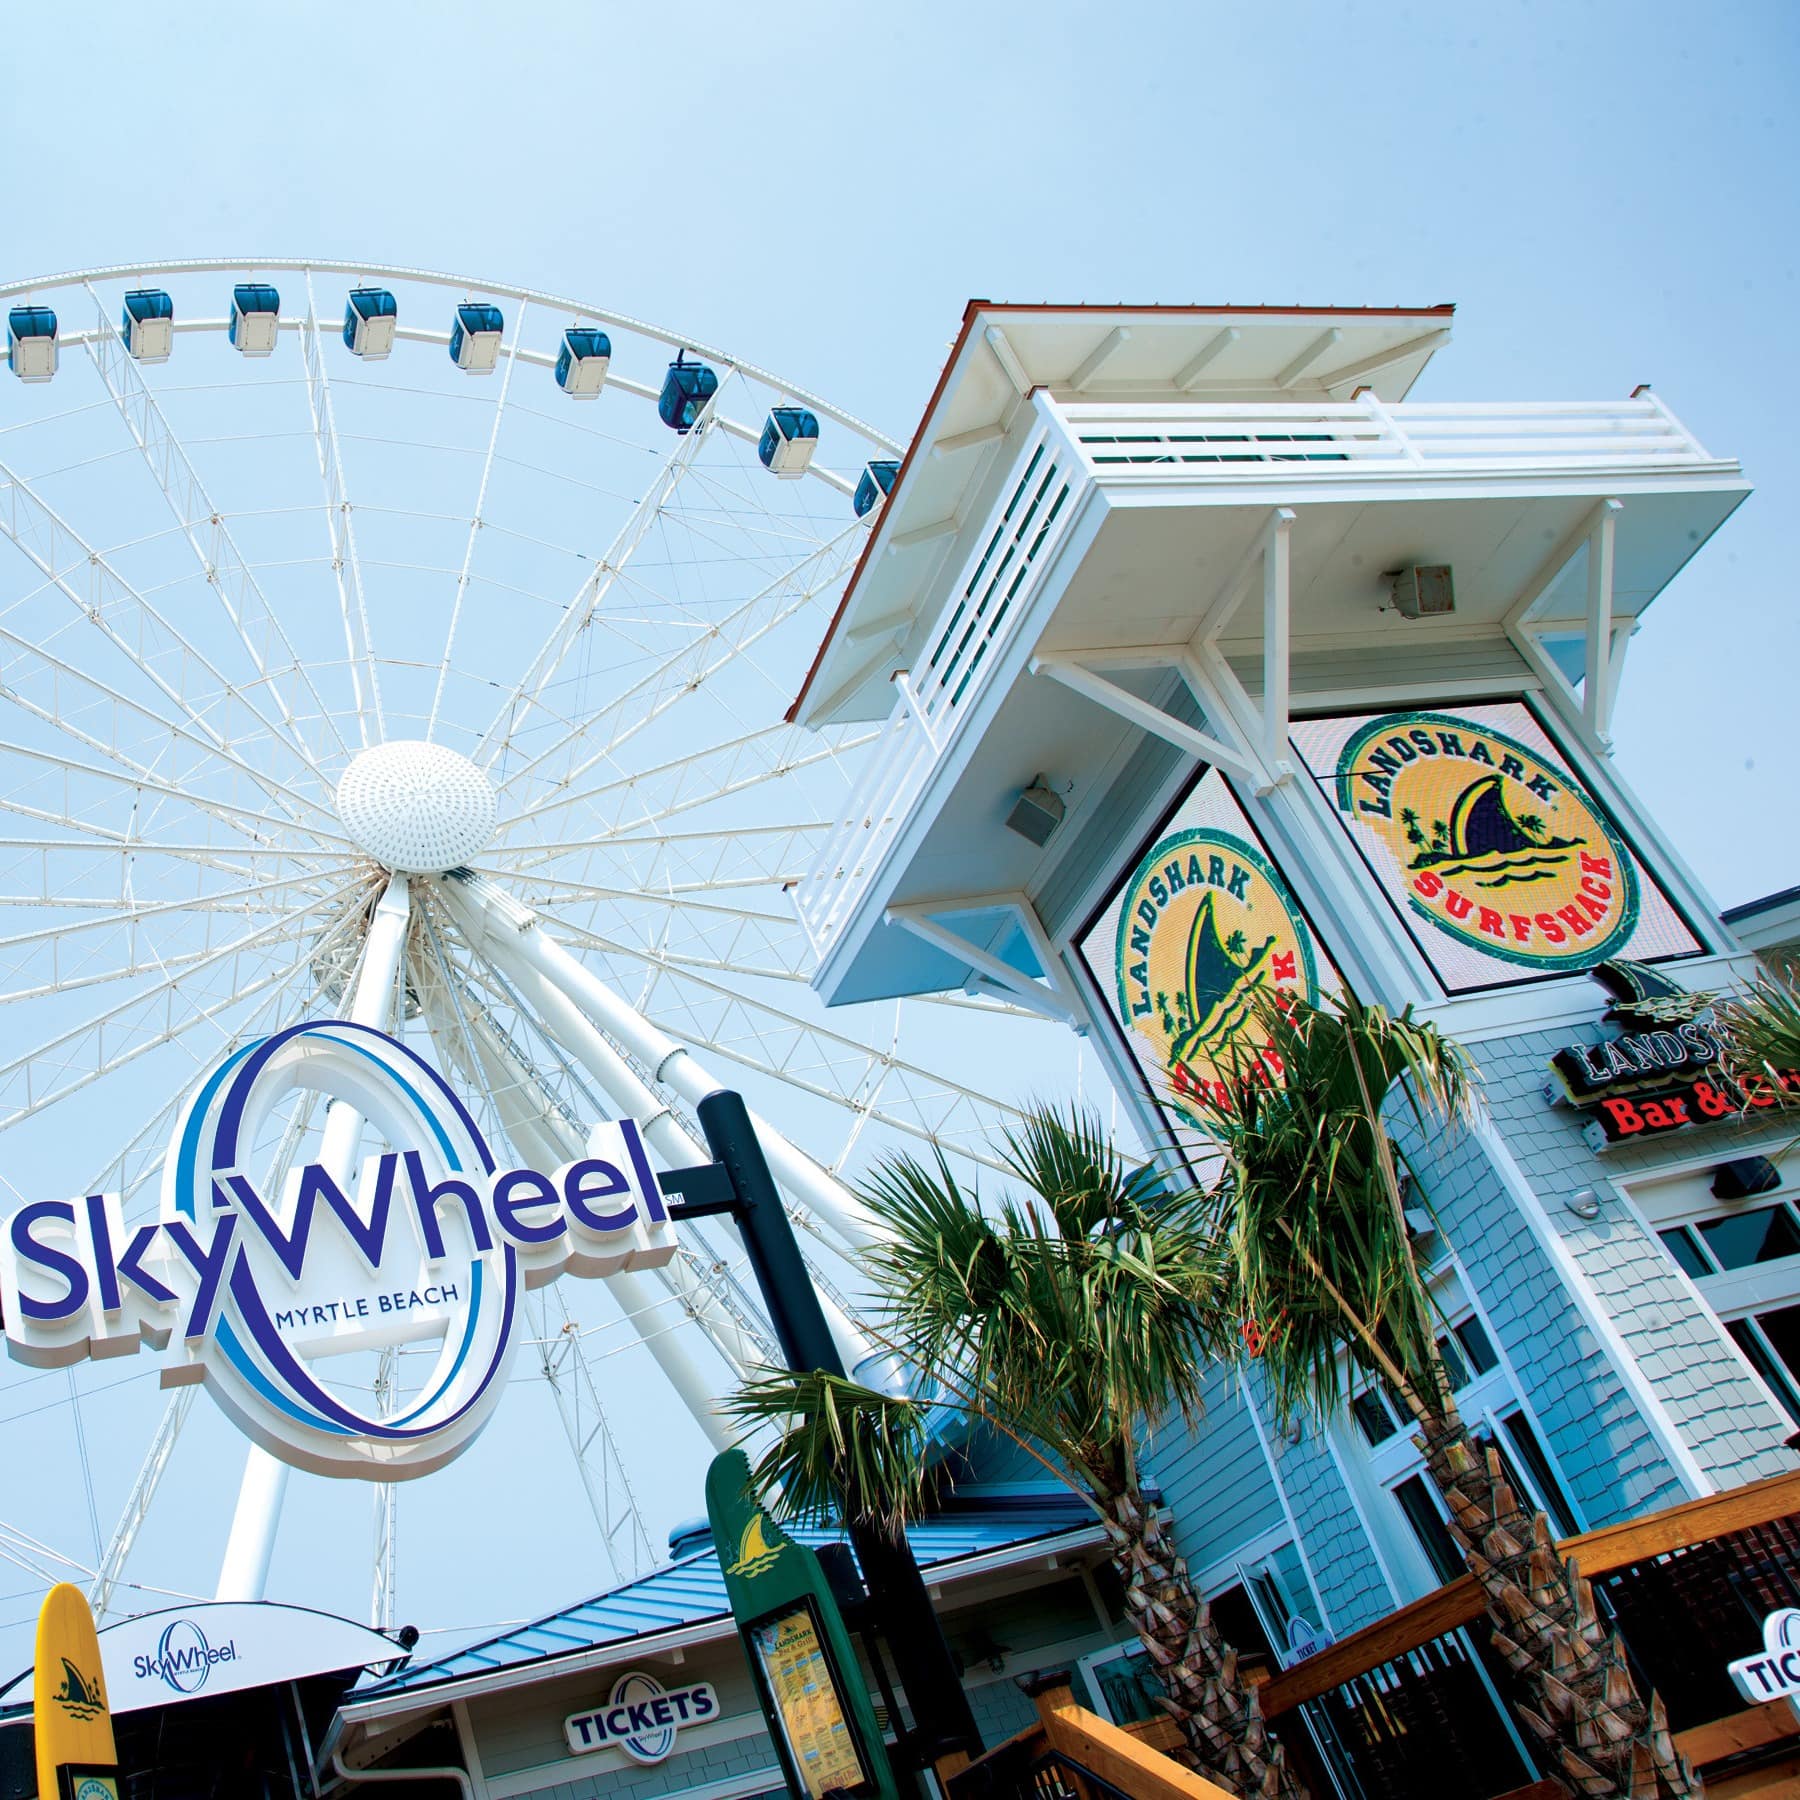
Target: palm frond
1762,1030
839,1448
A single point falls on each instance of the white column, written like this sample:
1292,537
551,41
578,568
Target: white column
244,1574
544,1135
517,936
564,1014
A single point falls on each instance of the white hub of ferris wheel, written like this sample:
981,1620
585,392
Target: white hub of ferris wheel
529,658
417,808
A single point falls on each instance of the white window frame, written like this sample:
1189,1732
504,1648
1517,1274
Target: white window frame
1375,1472
1682,1196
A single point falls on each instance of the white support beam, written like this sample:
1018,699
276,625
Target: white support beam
1188,375
244,1574
1215,615
1597,698
916,918
972,439
1097,358
1276,635
1140,712
500,925
924,534
1308,357
1005,356
1373,364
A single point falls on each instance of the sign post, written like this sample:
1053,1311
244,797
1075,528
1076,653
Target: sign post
807,1680
739,1184
76,1759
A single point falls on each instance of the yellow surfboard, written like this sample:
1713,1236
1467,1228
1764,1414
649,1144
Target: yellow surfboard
75,1755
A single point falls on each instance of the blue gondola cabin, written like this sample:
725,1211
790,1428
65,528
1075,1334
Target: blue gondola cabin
147,324
877,483
475,337
255,317
686,391
789,439
583,361
371,317
31,342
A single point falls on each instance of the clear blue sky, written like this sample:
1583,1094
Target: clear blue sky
1606,191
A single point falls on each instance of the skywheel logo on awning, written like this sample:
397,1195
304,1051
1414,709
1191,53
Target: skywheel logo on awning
257,1289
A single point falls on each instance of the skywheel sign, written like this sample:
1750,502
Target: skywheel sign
253,1291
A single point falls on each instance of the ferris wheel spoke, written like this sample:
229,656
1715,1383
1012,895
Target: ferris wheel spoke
576,616
729,935
29,1083
240,818
256,623
829,1064
134,916
668,789
684,674
340,526
475,521
63,674
100,595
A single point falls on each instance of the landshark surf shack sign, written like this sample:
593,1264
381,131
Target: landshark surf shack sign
1201,934
254,1290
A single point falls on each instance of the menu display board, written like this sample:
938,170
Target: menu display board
808,1709
1502,864
1201,932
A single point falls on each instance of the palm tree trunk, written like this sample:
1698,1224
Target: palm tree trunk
1597,1733
1220,1717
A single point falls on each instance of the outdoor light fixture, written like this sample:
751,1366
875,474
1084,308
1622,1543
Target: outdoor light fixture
1746,1176
1584,1203
1036,813
1422,590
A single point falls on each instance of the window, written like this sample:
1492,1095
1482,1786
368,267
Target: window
1745,1260
1378,1409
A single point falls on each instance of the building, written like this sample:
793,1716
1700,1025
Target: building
1207,662
1018,1572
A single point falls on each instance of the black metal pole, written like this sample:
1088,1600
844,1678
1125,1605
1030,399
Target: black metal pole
941,1716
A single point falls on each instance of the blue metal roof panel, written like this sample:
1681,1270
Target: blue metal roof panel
692,1589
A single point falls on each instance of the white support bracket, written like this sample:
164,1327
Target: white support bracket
1604,640
1051,996
1076,675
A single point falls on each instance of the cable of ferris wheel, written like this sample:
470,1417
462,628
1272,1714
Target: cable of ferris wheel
594,587
340,527
221,562
104,579
642,718
65,672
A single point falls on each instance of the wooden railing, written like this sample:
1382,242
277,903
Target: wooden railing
1073,1754
1598,1553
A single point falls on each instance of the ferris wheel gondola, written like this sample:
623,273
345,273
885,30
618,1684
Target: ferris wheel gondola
279,634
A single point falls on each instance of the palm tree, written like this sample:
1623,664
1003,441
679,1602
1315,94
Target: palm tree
1312,1211
1762,1034
1071,1321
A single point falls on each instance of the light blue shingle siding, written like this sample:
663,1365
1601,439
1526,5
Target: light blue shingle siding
1349,1579
1719,1413
1215,1479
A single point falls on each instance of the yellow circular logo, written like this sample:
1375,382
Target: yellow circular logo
1207,930
1495,846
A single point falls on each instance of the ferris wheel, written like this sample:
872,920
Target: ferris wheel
380,645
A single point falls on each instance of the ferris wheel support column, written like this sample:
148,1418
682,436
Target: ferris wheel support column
667,1136
557,1141
244,1574
518,934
